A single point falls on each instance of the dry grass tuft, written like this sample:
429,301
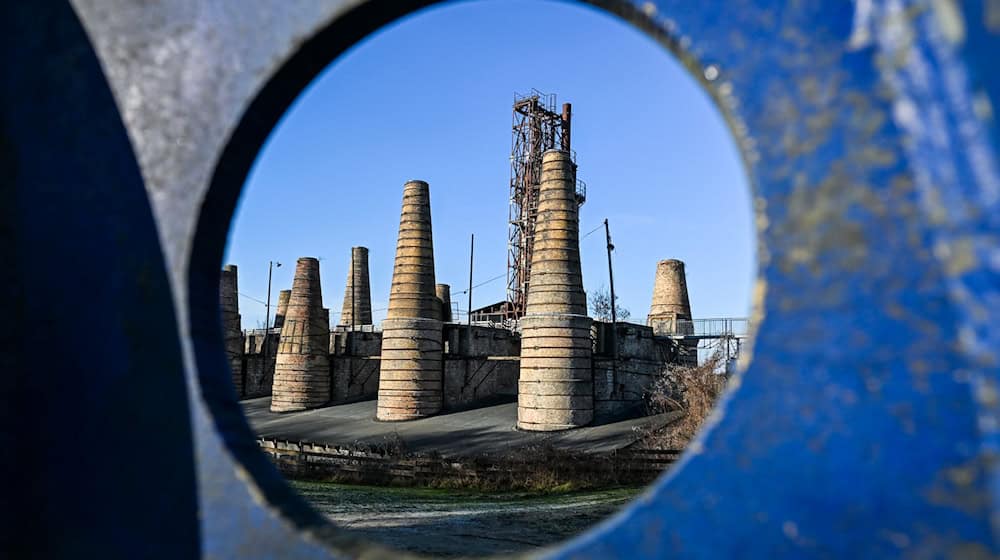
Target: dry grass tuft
695,390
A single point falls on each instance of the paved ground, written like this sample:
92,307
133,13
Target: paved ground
480,431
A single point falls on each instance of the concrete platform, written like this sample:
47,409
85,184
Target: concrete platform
482,431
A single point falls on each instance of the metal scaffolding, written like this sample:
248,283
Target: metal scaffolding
537,127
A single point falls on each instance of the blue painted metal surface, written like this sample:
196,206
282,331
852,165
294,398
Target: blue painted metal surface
865,424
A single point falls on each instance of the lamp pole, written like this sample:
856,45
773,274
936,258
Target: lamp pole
354,294
614,313
267,317
611,273
267,313
472,250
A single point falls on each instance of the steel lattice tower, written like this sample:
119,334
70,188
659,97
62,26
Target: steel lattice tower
537,127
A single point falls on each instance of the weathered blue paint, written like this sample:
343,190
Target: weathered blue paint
865,424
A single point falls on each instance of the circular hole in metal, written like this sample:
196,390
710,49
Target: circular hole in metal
292,445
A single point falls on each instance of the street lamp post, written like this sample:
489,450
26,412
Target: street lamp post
267,314
614,313
271,265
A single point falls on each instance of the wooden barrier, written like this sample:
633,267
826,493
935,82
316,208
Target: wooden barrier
385,465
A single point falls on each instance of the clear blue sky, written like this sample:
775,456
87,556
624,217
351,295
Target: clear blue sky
430,98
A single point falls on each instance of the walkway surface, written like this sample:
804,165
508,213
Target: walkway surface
480,431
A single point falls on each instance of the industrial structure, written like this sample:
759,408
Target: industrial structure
410,369
563,369
229,304
670,311
302,370
279,315
443,292
537,128
670,306
357,308
555,390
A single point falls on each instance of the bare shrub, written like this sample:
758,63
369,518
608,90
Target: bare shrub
600,306
694,390
540,468
391,445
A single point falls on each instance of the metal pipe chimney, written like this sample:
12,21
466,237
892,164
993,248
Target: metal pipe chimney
301,371
410,373
555,390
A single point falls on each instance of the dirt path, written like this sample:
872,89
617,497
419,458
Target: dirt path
454,523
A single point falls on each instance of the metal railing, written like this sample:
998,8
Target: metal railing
712,327
546,101
716,326
358,328
261,332
334,328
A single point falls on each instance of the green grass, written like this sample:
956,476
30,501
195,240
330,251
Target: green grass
339,495
457,522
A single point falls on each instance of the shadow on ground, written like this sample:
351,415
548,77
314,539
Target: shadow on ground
481,431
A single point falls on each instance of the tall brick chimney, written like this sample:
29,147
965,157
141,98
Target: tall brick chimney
279,315
443,292
411,370
555,391
357,308
232,332
670,311
302,367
